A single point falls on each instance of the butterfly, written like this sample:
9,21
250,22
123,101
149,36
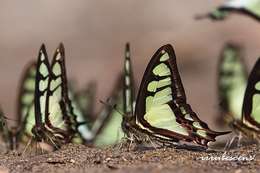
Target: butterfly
106,128
5,133
52,111
243,113
248,7
22,132
82,102
232,80
26,104
161,112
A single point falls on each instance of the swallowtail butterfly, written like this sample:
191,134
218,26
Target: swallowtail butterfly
232,79
55,121
161,112
248,7
240,101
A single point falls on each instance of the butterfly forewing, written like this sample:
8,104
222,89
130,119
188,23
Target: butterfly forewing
128,93
161,106
41,87
251,103
232,80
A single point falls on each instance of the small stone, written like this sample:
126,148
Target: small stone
4,169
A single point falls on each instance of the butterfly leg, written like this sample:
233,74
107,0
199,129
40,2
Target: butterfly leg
230,142
27,145
151,142
240,136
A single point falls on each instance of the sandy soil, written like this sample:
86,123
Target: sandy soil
79,158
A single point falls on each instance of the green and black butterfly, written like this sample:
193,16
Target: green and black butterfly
22,131
85,99
82,103
247,7
240,103
232,79
106,128
25,103
161,112
51,115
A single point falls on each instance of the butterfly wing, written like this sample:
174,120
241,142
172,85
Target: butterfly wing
248,7
59,116
251,103
84,133
25,102
41,87
161,107
128,92
232,78
85,99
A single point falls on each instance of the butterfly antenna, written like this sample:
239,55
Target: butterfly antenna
113,107
201,16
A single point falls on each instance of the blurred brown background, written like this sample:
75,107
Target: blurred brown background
94,34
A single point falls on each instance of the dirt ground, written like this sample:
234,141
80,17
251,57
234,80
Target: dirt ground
79,158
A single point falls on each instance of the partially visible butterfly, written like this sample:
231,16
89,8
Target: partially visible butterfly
22,132
25,103
7,135
85,99
55,121
248,7
232,79
83,105
249,122
161,112
106,128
